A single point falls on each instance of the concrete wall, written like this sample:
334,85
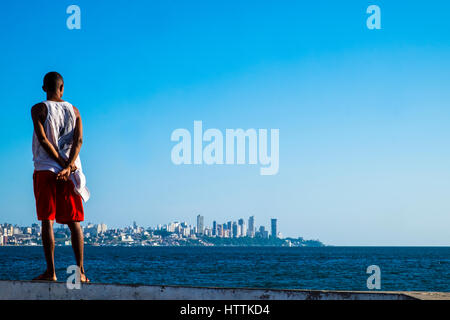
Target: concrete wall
31,290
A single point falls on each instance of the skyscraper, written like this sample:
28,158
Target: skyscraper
234,230
242,230
200,227
220,230
251,227
263,233
214,228
225,230
273,231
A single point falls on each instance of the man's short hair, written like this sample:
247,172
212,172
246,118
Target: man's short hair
52,80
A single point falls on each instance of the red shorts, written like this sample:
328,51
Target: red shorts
56,199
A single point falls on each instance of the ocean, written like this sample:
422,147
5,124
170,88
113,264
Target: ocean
322,268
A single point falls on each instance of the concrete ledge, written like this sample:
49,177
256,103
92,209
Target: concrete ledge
37,290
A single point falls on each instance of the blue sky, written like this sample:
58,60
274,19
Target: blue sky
363,114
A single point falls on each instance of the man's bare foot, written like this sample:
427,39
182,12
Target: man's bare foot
83,278
46,276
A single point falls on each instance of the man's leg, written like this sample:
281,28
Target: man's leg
77,246
48,242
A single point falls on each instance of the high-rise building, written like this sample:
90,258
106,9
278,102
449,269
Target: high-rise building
263,233
273,225
200,228
186,231
242,229
214,229
101,228
251,227
36,228
234,230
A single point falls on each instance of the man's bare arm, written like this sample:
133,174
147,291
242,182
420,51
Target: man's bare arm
39,114
75,149
77,139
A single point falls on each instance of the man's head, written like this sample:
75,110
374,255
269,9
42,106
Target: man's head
53,84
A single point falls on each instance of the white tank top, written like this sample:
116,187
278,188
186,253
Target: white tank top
59,128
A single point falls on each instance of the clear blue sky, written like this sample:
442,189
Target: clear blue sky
363,114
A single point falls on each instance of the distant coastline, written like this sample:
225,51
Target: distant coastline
199,242
230,234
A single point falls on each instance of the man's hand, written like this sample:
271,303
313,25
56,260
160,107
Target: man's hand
64,174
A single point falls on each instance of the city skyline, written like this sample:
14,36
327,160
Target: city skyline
174,233
200,228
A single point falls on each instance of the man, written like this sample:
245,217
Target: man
58,182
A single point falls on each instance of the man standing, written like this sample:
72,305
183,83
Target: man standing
58,181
